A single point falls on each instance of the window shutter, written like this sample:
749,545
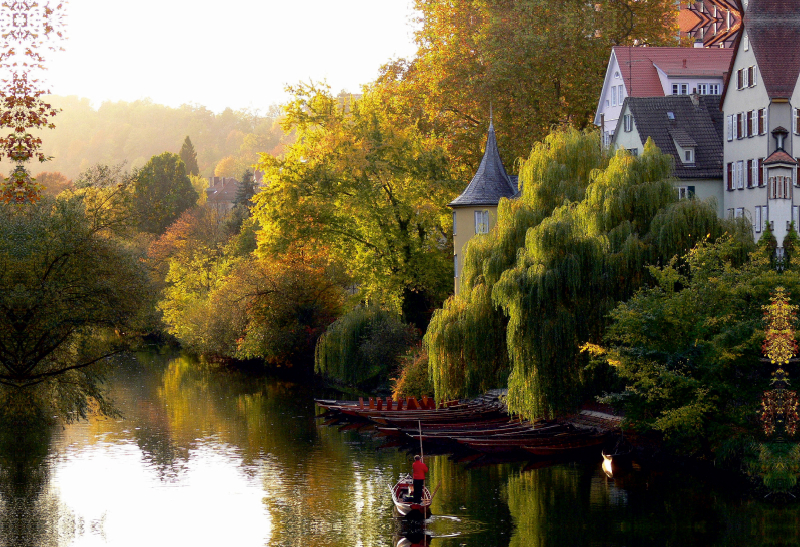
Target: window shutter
749,173
761,171
730,176
739,175
729,121
739,124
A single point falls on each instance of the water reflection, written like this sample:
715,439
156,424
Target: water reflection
204,457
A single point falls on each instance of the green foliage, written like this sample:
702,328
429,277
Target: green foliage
162,191
246,190
363,345
413,379
189,157
369,191
688,349
69,295
540,286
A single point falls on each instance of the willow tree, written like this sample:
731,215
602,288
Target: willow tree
594,226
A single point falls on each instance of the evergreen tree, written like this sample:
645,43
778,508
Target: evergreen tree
162,191
189,157
246,190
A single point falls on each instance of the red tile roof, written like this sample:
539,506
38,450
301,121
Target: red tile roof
638,66
774,34
779,156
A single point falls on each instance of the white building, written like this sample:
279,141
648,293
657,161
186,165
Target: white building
658,72
762,125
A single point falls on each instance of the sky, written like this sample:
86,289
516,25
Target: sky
240,54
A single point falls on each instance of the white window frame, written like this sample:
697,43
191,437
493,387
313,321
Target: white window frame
702,89
730,127
739,173
613,95
759,224
754,167
739,212
688,155
713,89
481,222
454,223
455,266
627,123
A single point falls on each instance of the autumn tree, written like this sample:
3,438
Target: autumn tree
535,63
371,191
162,191
53,182
69,295
189,157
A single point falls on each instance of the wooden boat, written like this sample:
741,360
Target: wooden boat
568,449
496,446
401,496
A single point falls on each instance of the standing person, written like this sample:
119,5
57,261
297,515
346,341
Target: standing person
419,469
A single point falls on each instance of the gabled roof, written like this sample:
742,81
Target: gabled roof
779,156
491,182
682,138
638,66
692,123
773,27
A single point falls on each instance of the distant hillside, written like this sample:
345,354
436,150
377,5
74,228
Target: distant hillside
135,131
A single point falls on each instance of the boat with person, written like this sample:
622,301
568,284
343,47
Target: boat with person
402,496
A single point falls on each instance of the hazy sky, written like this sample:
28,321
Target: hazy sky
236,54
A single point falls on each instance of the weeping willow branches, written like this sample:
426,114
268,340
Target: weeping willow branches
542,283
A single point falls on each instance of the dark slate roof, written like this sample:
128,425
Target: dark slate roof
773,27
491,182
699,124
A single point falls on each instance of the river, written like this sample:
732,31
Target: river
203,457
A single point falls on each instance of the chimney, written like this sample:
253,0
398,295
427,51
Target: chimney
695,98
684,63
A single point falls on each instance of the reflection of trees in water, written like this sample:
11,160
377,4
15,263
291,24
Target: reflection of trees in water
29,511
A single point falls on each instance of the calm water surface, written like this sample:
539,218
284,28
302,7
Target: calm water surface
209,458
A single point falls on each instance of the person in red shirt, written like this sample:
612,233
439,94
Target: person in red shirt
418,475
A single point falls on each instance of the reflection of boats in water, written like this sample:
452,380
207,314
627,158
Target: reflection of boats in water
413,538
402,498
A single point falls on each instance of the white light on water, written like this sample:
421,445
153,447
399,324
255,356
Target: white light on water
118,498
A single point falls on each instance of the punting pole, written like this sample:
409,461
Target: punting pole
421,455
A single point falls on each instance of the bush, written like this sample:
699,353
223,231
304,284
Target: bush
413,379
363,346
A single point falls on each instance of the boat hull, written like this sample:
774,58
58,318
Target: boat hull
406,508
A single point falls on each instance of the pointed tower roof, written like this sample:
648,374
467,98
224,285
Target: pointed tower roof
491,182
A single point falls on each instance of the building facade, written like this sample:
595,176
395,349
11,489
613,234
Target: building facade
760,105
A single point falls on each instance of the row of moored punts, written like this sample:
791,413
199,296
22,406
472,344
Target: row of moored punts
481,427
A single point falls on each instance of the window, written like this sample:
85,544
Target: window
758,222
746,43
740,175
760,172
633,151
702,89
454,223
730,176
797,174
739,212
795,217
730,213
762,121
750,173
670,115
627,123
796,119
455,265
621,93
780,187
751,76
729,121
739,79
688,156
685,192
749,125
753,123
613,95
713,89
739,126
481,222
616,75
680,89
